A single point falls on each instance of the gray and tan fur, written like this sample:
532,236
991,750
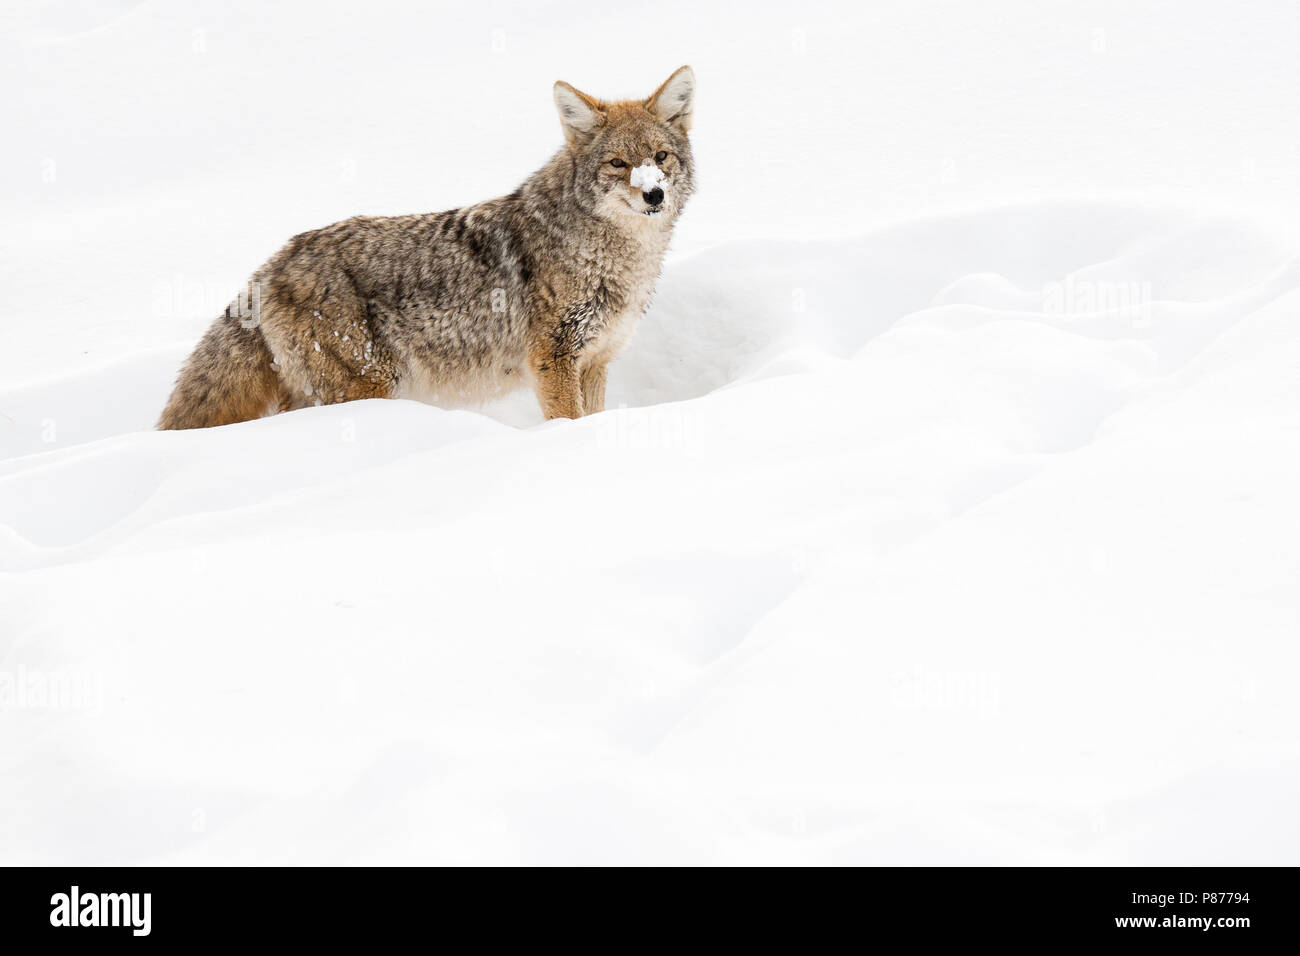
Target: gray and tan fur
539,288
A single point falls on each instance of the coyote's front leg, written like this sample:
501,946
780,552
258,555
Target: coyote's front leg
593,388
558,385
557,351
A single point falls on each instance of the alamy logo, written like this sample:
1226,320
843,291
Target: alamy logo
101,909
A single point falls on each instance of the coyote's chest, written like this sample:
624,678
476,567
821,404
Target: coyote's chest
616,292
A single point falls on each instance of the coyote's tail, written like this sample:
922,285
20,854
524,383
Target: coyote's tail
229,377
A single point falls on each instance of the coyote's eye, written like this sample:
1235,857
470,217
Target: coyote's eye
661,155
617,163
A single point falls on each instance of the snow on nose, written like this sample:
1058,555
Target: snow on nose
648,177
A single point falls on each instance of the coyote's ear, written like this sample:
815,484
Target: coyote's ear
674,102
580,114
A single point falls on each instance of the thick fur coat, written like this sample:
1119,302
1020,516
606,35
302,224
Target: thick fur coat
541,288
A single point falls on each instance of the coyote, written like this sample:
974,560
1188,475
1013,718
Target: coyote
542,287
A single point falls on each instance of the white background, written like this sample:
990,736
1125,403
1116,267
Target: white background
948,516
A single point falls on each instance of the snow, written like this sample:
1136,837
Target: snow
647,176
944,511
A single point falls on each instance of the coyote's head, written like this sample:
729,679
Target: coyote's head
632,157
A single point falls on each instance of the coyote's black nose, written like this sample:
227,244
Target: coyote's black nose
654,197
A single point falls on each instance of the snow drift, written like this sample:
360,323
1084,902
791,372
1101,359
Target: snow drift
965,541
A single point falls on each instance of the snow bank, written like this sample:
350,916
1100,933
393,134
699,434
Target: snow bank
894,554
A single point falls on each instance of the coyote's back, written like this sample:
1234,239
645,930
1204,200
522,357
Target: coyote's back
542,287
